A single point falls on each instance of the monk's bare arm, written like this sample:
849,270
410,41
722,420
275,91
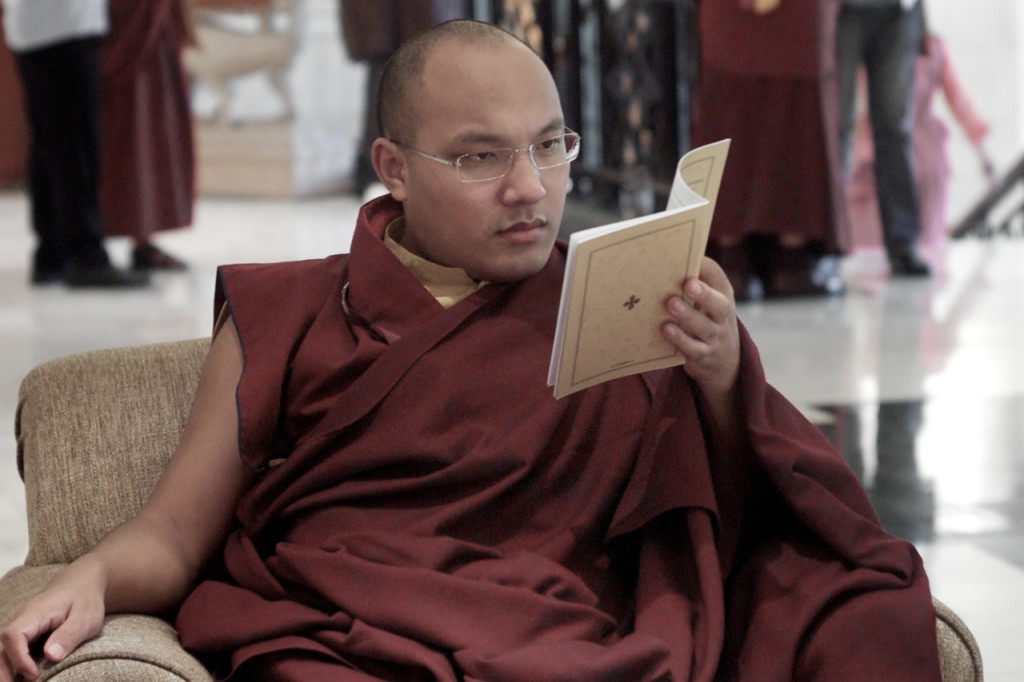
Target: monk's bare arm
191,509
149,563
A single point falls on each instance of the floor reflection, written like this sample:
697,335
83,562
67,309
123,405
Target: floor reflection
920,461
881,448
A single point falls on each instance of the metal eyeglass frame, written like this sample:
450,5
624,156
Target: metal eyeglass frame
456,163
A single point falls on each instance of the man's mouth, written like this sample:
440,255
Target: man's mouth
525,226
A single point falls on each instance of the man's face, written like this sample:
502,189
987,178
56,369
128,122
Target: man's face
476,99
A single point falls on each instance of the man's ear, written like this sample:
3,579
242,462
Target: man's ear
389,162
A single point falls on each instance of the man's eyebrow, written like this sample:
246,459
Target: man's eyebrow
483,138
477,138
554,128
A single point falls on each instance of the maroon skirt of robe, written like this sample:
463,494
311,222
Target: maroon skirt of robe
768,82
147,159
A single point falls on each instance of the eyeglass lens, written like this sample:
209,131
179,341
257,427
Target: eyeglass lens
494,163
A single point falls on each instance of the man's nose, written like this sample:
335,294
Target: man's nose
524,177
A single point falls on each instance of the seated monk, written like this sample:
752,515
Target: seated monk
375,482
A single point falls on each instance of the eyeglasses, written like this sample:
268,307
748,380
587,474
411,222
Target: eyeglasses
492,164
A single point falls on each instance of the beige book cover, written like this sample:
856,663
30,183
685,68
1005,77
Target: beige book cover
618,277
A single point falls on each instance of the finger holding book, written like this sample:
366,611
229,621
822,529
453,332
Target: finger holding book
704,329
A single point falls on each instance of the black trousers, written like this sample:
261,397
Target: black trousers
62,95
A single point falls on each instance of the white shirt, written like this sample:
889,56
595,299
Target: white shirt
33,24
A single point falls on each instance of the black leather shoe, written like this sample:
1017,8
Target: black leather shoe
41,277
149,257
908,264
103,276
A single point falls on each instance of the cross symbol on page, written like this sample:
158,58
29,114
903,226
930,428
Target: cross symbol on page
631,303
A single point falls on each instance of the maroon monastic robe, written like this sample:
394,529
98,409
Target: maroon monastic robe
769,82
427,510
147,157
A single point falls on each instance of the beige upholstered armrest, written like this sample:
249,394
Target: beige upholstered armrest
959,651
94,431
131,648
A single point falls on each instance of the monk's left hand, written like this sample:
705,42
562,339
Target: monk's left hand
703,327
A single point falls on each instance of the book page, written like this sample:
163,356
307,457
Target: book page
699,175
619,276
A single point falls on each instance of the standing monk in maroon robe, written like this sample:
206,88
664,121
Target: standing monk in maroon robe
147,156
767,80
385,487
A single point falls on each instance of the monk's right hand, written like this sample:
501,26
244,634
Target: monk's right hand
68,612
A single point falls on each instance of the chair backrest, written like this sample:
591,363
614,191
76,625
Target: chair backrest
94,432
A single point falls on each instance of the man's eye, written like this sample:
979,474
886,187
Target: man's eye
550,145
481,157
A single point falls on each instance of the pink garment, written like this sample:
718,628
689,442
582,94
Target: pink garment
934,72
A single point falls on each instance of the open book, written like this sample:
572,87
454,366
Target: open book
618,277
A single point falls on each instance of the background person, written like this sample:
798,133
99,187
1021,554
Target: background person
57,45
885,36
371,32
767,80
147,155
934,75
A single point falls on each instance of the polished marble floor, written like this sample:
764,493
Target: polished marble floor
919,382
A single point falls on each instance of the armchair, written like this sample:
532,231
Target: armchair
94,431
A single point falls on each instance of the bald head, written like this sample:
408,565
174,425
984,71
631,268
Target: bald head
402,82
